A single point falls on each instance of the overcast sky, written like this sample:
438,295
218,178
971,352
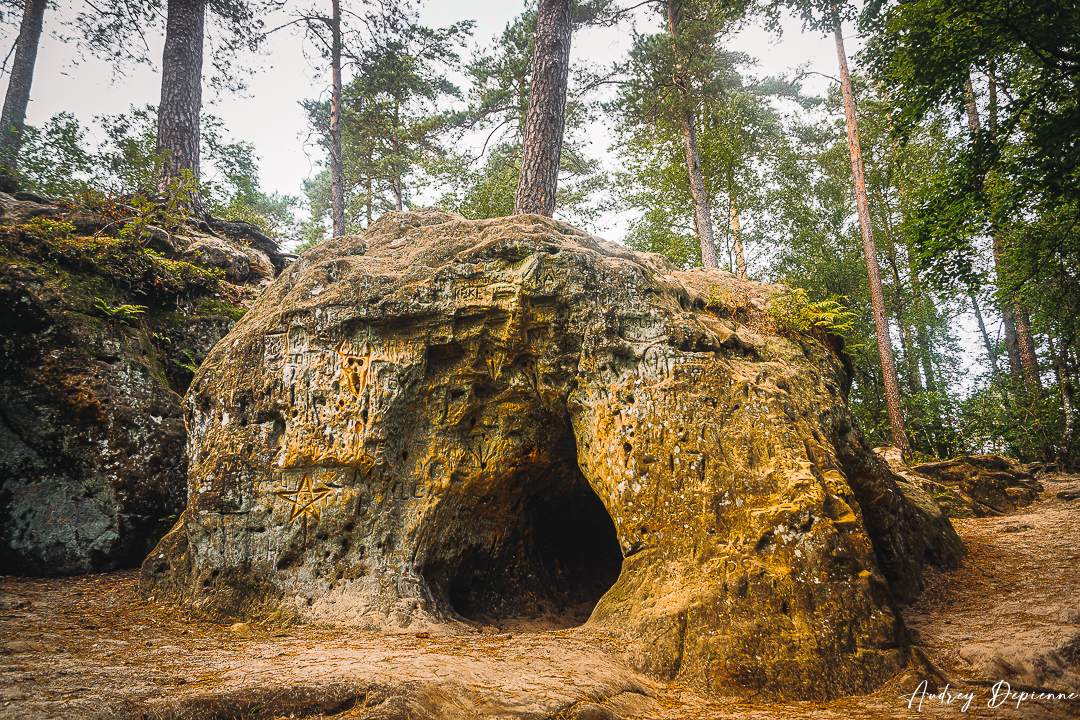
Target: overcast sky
269,116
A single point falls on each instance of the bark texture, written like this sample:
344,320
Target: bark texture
337,181
702,211
22,76
181,95
544,124
877,295
1028,359
736,238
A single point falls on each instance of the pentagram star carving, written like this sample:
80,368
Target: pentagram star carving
303,498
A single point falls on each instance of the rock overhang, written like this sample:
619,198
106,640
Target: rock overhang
394,414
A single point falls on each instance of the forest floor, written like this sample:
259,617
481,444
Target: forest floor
87,647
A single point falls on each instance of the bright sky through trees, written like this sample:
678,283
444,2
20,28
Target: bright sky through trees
269,114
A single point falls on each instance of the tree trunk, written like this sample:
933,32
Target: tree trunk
1067,406
1028,359
736,235
1019,361
1008,318
337,180
972,109
181,98
367,203
396,167
702,212
539,178
18,92
990,351
877,296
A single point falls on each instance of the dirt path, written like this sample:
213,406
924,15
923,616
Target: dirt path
87,648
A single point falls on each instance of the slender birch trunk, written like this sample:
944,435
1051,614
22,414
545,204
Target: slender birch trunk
990,351
877,295
698,191
337,179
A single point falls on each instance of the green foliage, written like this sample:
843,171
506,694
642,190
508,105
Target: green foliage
53,159
477,194
123,313
1000,416
58,161
191,364
925,51
793,310
45,229
121,259
165,210
211,306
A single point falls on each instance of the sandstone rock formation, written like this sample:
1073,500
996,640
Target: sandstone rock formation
449,421
970,485
993,484
92,442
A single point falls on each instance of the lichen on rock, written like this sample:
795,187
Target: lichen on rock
98,338
447,421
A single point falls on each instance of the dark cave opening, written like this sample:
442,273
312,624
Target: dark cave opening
551,552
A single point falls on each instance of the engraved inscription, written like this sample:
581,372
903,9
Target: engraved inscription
304,498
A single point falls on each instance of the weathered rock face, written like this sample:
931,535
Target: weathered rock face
970,485
92,441
993,484
450,420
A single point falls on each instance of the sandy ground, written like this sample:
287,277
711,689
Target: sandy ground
88,648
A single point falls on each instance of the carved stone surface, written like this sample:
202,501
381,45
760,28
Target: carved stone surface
449,421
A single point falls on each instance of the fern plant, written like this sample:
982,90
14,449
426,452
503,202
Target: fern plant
123,313
794,311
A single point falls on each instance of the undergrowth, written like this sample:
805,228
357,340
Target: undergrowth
121,259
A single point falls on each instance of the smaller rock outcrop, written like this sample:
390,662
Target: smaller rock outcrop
970,485
98,341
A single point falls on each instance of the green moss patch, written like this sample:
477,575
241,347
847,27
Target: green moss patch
123,260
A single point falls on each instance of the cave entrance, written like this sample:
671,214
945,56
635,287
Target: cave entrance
544,560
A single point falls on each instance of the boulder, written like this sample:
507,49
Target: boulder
949,499
988,484
92,441
260,269
16,211
211,252
448,423
163,241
